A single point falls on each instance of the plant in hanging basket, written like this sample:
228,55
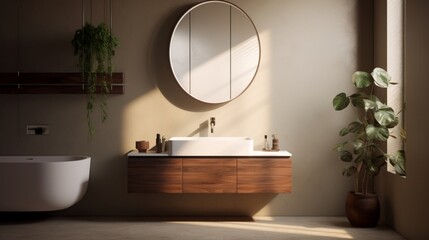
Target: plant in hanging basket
95,47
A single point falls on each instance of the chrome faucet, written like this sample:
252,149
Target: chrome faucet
212,124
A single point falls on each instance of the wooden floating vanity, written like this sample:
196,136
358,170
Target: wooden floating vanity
160,173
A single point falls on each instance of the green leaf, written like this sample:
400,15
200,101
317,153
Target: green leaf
346,156
394,123
400,162
358,151
378,102
373,169
400,169
344,131
357,99
378,161
339,147
362,79
357,144
391,158
350,171
360,157
401,156
375,99
377,133
355,126
340,101
385,116
381,77
369,104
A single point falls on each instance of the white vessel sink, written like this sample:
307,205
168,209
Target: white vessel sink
210,146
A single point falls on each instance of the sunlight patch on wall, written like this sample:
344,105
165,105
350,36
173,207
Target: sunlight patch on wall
254,105
136,120
395,67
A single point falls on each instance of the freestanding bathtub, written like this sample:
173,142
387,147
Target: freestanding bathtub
42,183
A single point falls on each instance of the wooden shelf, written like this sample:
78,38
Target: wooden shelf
52,83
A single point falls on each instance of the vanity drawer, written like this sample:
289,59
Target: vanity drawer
209,175
155,175
264,175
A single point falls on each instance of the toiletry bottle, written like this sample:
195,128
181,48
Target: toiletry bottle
275,143
158,143
163,142
267,145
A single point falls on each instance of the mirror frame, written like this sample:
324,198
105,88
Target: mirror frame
252,25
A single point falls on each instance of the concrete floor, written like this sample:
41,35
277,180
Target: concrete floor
266,228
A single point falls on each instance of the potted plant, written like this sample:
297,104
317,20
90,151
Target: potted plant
363,150
95,46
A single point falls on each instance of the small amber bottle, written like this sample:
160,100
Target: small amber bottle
158,143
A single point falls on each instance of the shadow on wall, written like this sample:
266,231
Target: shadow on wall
159,64
365,41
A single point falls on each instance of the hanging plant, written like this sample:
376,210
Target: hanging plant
95,46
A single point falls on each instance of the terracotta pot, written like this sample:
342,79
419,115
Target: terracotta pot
362,210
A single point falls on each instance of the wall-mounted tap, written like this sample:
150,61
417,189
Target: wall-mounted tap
212,124
37,129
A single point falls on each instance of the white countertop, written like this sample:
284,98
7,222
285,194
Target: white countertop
136,153
282,153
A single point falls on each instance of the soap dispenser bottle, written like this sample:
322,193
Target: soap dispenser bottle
163,144
158,143
267,145
275,143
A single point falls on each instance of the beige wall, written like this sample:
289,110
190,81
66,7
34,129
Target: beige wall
405,201
309,51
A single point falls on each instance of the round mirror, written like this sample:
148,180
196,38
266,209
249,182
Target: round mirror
214,51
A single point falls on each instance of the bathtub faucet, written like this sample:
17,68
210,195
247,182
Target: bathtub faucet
38,130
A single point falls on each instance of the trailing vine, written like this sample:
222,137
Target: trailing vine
95,47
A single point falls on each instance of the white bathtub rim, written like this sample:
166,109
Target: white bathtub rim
42,158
